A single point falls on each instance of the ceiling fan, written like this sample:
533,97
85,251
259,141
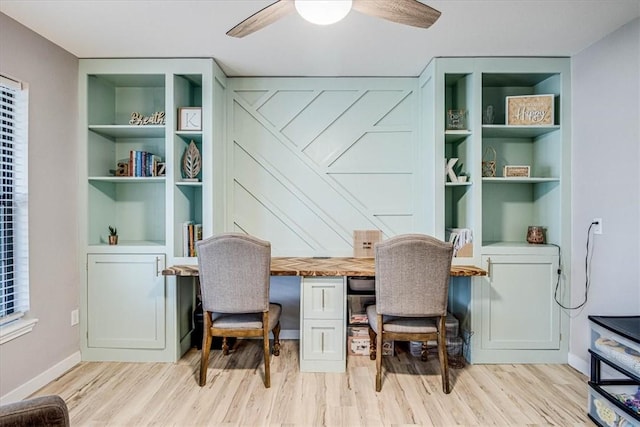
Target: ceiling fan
406,12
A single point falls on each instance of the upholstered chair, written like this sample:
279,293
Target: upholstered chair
411,287
234,284
50,411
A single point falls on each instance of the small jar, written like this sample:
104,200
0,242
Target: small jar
535,234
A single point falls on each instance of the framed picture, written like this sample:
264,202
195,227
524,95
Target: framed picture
190,118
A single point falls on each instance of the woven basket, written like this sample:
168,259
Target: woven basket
489,162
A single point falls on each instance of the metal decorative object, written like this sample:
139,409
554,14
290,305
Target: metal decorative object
191,162
489,162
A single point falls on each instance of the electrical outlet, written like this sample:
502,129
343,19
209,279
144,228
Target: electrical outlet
597,226
75,317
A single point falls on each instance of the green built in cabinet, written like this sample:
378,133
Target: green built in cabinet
513,176
137,119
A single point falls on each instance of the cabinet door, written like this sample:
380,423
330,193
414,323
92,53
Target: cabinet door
518,306
323,340
126,301
323,298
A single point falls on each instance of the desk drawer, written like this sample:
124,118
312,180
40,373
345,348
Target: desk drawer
323,297
323,340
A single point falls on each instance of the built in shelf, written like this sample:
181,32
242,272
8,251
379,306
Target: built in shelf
196,135
518,248
128,179
519,180
129,131
457,184
189,183
128,246
453,136
503,131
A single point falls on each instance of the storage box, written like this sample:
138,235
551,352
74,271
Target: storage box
357,308
606,413
465,251
462,241
362,284
622,350
452,326
358,346
358,342
530,110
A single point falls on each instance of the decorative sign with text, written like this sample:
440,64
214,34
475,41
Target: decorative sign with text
138,119
532,110
511,171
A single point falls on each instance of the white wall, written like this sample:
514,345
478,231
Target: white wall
606,181
30,361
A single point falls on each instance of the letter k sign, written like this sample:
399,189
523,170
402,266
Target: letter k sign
190,119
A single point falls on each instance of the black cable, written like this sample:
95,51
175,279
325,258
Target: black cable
586,271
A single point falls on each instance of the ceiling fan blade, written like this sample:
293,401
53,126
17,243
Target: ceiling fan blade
407,12
262,18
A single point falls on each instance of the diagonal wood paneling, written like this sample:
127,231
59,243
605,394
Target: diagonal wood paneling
311,160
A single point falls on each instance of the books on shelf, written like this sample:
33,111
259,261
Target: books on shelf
142,164
191,233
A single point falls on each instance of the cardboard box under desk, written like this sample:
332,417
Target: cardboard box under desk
358,342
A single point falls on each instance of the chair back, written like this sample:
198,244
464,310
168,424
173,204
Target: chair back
412,275
234,273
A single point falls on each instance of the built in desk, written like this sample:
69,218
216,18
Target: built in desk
318,267
323,296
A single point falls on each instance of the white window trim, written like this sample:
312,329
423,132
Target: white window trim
13,330
16,325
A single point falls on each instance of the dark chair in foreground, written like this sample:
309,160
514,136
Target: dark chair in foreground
50,411
412,283
235,270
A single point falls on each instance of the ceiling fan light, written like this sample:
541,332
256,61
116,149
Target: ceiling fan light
323,12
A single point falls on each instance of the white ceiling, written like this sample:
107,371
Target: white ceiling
357,46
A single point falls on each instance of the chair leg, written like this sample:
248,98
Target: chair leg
372,344
225,346
442,350
206,347
379,353
276,340
265,345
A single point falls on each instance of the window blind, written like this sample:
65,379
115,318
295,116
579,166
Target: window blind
14,237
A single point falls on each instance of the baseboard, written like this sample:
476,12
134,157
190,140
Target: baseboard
578,364
290,334
41,380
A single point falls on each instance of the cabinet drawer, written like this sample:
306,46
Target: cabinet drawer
323,297
323,340
606,413
619,350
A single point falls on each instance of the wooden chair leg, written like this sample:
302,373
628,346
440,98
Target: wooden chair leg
379,353
225,346
265,345
372,344
206,347
442,350
276,340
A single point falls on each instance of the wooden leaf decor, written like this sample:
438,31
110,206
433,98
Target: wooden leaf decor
191,162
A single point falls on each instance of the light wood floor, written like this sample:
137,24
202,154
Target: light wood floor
163,394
